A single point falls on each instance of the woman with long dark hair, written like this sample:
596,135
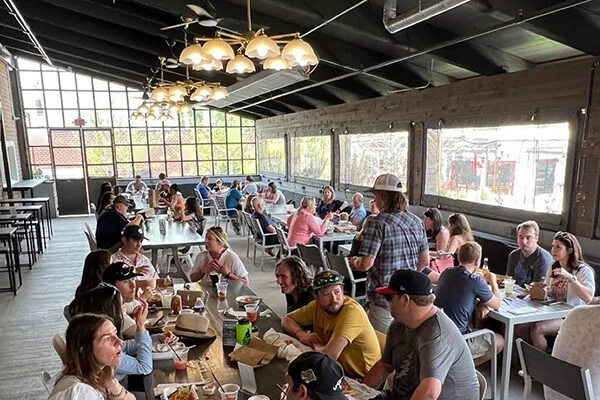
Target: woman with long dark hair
193,215
437,234
93,351
295,280
460,232
105,201
93,267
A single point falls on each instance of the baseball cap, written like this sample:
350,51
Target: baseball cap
133,232
165,182
321,374
120,200
327,278
118,271
388,183
406,281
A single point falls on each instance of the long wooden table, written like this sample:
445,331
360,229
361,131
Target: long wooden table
214,354
178,234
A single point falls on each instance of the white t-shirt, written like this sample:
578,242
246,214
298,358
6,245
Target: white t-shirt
578,343
140,261
585,276
228,258
70,387
251,188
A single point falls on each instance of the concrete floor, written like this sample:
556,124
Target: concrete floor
31,319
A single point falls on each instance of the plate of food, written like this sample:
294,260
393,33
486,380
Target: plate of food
184,392
155,325
247,299
161,351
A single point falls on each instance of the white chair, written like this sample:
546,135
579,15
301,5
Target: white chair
286,249
91,241
47,381
482,384
246,217
340,264
60,347
260,241
222,212
207,204
493,355
570,380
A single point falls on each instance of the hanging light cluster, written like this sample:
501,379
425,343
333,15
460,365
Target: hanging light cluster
210,53
169,99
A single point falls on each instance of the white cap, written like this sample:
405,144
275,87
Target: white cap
388,183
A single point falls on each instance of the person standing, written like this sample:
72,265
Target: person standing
424,347
529,263
395,239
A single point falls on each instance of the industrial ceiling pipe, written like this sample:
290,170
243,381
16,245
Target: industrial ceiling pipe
395,23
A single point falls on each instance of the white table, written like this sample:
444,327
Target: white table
344,249
178,234
334,237
504,315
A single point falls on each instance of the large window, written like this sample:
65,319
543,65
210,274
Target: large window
364,157
521,167
202,142
311,157
272,156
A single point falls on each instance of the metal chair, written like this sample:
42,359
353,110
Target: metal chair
205,204
570,380
60,347
286,249
91,241
313,257
493,356
260,240
341,265
88,228
482,384
47,381
249,231
222,212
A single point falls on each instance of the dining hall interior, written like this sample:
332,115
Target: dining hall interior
261,188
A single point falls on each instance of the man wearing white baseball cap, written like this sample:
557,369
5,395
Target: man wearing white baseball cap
395,239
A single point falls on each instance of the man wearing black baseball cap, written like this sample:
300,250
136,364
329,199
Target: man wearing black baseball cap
111,224
340,325
131,252
123,277
424,347
315,376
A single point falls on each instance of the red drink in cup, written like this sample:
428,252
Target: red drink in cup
251,312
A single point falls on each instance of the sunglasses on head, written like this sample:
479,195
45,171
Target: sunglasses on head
109,286
564,236
326,280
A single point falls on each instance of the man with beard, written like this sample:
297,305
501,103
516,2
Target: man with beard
340,326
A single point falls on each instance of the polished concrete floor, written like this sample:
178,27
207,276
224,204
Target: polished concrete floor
30,320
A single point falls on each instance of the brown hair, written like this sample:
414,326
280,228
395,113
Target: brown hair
529,225
93,267
80,360
192,205
219,234
468,252
576,257
393,202
301,275
235,184
330,188
248,205
105,299
459,225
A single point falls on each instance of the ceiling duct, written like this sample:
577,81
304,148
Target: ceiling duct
257,84
395,23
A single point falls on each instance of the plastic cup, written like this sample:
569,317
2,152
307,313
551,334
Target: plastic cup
181,362
229,391
222,290
165,298
251,312
508,286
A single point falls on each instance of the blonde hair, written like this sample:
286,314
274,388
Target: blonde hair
306,202
468,252
219,234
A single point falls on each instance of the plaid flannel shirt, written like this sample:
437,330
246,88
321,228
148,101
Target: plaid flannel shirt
395,240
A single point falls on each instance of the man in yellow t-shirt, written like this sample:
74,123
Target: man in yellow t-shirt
341,328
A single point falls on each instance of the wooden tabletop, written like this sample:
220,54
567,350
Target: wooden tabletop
214,354
178,234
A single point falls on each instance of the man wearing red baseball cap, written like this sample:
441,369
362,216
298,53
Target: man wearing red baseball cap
425,349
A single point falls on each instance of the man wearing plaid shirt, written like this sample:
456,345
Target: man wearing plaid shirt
395,239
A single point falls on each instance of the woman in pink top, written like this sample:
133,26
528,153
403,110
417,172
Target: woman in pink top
302,225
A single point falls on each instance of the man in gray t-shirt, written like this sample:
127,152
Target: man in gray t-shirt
529,263
424,347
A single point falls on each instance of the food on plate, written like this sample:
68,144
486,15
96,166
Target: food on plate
209,389
347,388
192,323
247,299
183,393
164,348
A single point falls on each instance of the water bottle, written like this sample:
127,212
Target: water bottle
243,332
485,269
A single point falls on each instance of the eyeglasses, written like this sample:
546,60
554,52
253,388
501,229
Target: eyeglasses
564,236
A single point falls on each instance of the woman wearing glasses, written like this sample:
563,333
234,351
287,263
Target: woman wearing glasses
93,350
569,280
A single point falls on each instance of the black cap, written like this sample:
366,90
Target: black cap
322,375
406,281
134,232
120,200
118,271
327,278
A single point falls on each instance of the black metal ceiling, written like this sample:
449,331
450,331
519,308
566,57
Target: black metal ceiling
121,40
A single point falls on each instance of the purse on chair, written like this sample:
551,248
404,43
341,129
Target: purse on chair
439,265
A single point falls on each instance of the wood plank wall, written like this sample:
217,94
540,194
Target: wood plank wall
558,88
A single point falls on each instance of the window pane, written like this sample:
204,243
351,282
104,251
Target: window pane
121,136
30,79
220,167
100,84
203,135
188,152
84,82
234,135
142,169
157,153
67,156
42,171
248,135
50,79
35,118
234,151
249,151
173,168
103,118
69,99
37,137
235,167
102,99
40,155
217,118
272,156
140,153
190,168
70,117
98,155
123,153
187,135
205,168
124,170
101,171
33,99
202,118
204,152
156,136
139,136
55,118
186,119
116,86
157,168
219,152
172,136
520,167
97,138
247,122
218,135
28,65
120,118
118,100
249,167
173,152
53,99
233,120
67,80
311,157
86,99
89,116
388,153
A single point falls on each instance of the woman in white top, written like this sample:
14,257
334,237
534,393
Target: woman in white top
569,280
131,254
219,258
274,195
93,350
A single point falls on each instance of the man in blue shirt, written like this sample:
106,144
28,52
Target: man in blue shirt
358,213
529,263
232,203
267,225
203,189
458,291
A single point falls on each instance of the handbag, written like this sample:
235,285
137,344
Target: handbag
440,265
